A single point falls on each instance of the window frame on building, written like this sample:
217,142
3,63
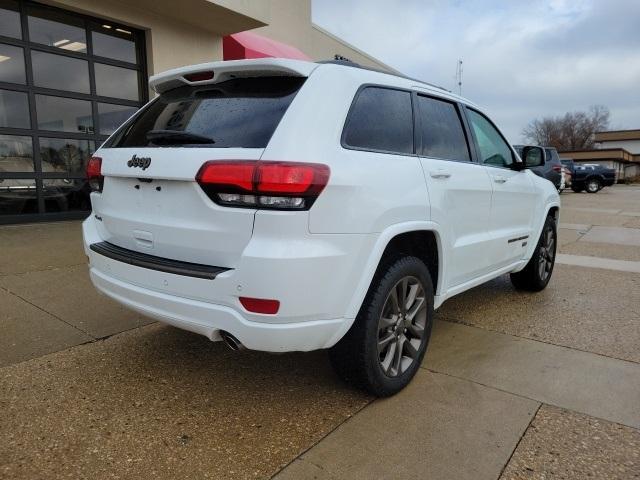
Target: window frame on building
90,24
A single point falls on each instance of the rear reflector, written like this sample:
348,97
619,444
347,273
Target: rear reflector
260,305
199,76
258,184
94,174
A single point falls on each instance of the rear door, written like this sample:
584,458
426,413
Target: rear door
150,201
459,189
514,196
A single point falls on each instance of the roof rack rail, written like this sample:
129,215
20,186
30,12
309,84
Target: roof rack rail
345,62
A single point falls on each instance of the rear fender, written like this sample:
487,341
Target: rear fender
374,260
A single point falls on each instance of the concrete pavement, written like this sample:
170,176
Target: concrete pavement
514,385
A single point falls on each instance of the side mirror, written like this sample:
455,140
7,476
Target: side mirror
532,156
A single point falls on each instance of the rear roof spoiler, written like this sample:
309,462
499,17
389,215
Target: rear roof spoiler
260,67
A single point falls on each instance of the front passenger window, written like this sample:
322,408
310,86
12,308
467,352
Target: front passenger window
494,150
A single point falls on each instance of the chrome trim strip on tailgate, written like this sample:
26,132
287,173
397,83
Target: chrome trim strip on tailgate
152,262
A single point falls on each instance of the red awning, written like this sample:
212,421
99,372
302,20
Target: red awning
243,45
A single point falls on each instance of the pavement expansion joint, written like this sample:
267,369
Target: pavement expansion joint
57,317
450,319
515,447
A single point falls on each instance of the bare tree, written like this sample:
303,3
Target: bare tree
571,131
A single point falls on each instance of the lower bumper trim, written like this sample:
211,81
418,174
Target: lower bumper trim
152,262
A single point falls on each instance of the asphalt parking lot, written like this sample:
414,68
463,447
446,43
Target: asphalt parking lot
514,386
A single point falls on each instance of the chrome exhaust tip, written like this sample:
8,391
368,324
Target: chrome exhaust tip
232,342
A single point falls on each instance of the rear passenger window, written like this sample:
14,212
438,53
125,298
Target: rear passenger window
441,130
381,119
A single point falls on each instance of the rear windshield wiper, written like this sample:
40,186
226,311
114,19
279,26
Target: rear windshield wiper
169,137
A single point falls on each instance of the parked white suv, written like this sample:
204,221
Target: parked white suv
283,205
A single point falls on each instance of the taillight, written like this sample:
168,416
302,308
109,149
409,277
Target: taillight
557,168
258,184
94,174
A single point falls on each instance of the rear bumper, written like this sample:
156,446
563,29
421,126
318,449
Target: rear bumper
209,319
312,278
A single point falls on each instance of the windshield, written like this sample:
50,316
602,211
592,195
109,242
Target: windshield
241,113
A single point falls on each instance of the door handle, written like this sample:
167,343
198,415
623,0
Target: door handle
499,179
439,174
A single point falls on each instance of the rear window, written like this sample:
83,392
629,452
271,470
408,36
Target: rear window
381,119
241,113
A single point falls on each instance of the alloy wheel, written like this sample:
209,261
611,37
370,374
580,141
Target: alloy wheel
401,327
547,253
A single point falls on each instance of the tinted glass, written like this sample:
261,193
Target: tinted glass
11,64
441,130
18,195
16,154
112,116
494,150
14,109
10,19
120,47
236,113
64,114
552,155
65,194
61,155
56,29
381,119
61,73
116,82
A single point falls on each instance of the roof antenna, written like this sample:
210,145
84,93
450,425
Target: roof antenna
459,76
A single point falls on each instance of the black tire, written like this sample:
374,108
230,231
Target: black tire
357,357
593,185
534,277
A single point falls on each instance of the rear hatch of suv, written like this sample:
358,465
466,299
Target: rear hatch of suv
150,201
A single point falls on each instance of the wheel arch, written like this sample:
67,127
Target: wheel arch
405,238
553,209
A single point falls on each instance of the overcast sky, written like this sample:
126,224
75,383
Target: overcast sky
522,59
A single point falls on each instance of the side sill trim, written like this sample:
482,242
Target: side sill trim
152,262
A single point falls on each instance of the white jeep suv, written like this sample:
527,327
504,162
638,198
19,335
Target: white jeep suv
283,205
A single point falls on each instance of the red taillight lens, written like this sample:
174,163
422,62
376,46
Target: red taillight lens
291,178
557,168
257,184
199,76
94,174
260,305
227,175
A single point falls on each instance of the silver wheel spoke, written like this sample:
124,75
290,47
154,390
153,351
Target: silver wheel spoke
397,358
382,344
411,297
410,349
386,322
391,353
416,330
417,307
402,295
395,303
